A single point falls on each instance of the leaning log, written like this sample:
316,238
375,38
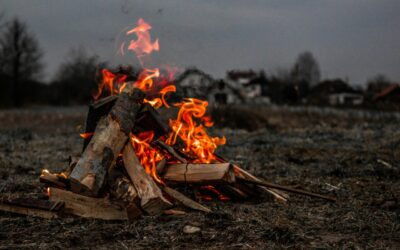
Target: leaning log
203,174
151,199
109,138
31,207
181,198
88,207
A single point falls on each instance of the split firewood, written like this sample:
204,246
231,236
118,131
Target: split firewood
109,138
171,150
160,167
181,198
97,110
202,174
31,207
151,199
89,207
54,180
121,187
174,212
150,120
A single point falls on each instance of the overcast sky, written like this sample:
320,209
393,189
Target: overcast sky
353,39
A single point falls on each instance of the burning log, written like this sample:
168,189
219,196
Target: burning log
54,180
202,174
149,119
108,140
151,199
171,150
89,207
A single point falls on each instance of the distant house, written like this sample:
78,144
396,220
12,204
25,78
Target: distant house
334,92
240,77
222,93
389,95
194,83
353,99
250,85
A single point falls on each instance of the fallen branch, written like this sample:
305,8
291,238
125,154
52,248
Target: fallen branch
285,188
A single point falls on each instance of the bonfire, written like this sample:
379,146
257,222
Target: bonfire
134,162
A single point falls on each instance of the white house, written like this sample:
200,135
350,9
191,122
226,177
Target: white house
194,83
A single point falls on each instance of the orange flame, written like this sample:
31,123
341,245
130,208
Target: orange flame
190,124
148,156
143,44
86,135
193,134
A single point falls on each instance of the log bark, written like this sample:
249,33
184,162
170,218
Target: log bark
97,110
151,199
202,174
121,187
88,207
110,136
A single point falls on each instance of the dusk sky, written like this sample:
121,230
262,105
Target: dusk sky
354,39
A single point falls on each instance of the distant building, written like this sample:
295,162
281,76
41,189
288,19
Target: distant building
222,93
333,92
389,95
250,85
194,83
352,99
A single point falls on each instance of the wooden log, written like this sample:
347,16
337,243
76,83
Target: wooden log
31,207
122,189
170,150
110,136
232,192
150,120
202,174
151,199
97,110
88,207
54,180
161,166
182,199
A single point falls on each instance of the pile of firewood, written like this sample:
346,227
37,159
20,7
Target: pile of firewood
109,182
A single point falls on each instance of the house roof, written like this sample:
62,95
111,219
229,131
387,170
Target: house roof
237,74
190,71
228,86
387,91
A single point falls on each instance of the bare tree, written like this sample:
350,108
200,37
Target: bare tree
76,77
20,56
378,83
306,69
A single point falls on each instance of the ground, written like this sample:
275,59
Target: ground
353,155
